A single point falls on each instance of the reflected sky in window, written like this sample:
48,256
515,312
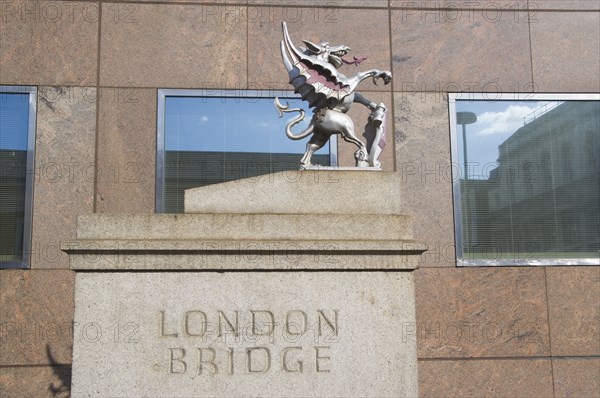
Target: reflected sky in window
219,124
496,121
14,119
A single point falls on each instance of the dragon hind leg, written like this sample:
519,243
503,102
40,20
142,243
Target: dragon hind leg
361,155
316,142
330,121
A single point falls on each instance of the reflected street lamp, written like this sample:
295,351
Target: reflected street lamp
464,118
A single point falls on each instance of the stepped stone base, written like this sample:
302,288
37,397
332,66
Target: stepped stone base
314,294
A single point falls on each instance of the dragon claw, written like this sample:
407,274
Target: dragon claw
386,76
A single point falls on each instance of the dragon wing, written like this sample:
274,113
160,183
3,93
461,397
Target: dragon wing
315,80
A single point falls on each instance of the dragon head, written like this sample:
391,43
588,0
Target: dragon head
327,53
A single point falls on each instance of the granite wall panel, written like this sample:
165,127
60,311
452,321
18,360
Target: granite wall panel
486,378
36,317
464,51
322,3
35,382
444,8
481,312
565,47
126,150
48,43
64,169
423,161
175,46
576,377
238,3
564,5
574,310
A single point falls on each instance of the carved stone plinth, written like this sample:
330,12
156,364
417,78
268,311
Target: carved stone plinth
244,298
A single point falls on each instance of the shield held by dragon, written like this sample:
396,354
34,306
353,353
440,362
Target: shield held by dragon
315,76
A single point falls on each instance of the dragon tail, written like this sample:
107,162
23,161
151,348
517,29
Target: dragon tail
288,129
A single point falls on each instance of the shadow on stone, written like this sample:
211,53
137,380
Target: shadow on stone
62,388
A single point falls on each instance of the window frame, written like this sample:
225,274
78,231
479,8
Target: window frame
25,263
456,194
210,93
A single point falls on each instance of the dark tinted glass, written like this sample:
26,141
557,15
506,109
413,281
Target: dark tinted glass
14,119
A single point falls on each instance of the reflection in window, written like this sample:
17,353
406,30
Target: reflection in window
567,158
530,196
546,170
593,153
529,177
17,118
209,140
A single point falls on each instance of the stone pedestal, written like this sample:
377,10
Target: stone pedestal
286,285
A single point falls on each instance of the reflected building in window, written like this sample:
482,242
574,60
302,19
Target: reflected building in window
543,198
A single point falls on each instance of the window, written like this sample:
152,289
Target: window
526,178
206,138
17,139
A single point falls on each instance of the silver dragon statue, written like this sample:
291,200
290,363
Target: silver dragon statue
315,76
